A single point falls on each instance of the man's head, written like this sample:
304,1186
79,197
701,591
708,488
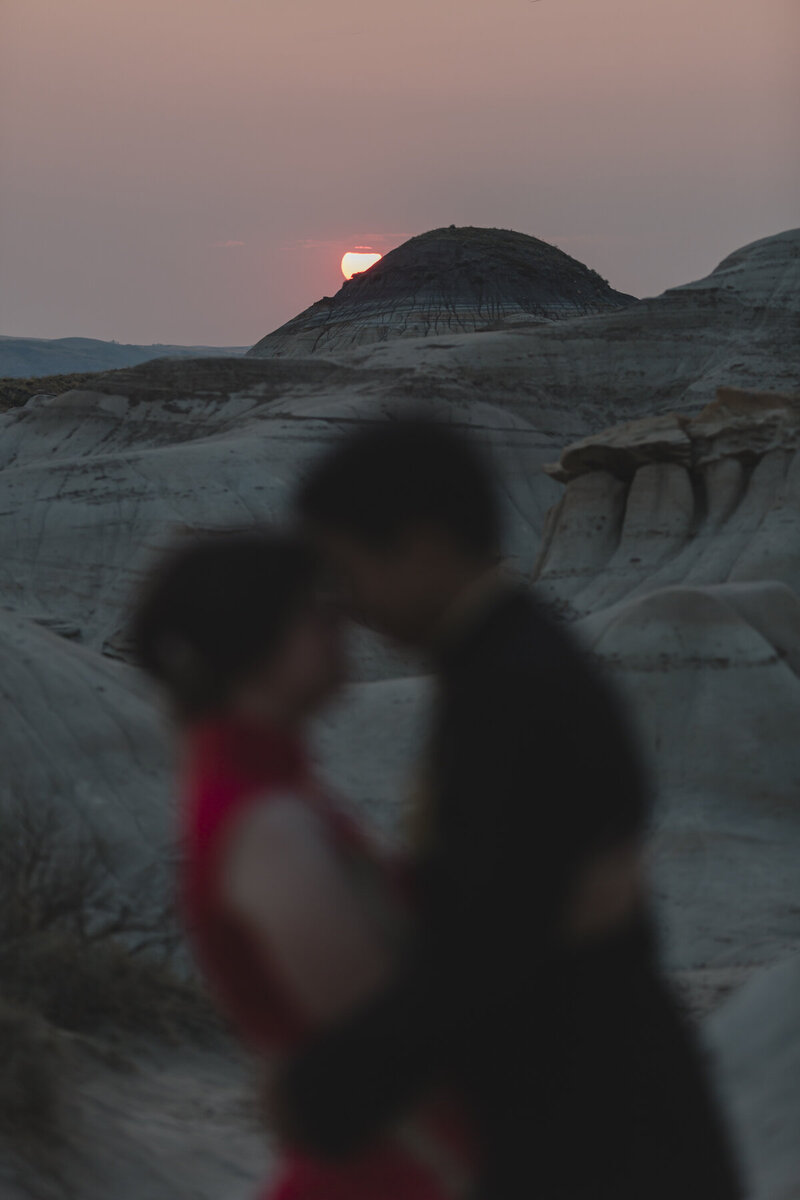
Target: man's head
407,513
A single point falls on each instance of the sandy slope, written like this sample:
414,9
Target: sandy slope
755,1040
159,1123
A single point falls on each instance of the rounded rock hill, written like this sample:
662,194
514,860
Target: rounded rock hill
450,280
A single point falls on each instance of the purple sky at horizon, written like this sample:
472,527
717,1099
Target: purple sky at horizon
191,171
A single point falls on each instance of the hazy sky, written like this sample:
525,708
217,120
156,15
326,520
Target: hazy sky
193,170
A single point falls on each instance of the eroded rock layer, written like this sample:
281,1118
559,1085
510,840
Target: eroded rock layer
692,500
737,327
676,544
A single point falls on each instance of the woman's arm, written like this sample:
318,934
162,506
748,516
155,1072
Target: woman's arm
285,879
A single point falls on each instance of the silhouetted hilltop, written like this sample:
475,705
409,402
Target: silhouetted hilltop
451,280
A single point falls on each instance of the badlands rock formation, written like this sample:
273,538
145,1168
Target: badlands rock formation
673,541
677,544
712,678
82,742
92,481
447,281
675,499
737,327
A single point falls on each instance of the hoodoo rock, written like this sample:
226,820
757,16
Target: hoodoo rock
455,280
674,499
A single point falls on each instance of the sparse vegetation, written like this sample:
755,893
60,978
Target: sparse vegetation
75,959
16,392
165,379
71,949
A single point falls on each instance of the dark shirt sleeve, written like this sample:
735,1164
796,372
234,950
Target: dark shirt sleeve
510,835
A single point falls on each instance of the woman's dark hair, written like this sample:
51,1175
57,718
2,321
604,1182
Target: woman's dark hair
379,483
216,608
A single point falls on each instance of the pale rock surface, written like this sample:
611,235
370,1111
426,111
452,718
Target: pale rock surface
698,500
158,1123
93,484
677,544
712,676
755,1040
82,740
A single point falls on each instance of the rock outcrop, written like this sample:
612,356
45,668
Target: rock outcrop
454,280
92,483
712,675
755,1041
676,544
675,499
83,746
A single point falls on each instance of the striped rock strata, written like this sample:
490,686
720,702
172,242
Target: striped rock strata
447,281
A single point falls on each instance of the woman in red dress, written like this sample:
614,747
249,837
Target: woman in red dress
294,916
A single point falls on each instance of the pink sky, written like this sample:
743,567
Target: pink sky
192,170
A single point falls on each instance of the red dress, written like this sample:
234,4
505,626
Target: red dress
231,766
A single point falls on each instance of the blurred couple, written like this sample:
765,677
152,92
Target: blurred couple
481,1016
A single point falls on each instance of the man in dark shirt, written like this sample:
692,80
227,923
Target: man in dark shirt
532,981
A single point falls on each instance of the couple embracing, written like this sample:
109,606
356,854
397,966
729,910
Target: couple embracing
483,1015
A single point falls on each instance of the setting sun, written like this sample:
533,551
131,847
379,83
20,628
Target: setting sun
358,260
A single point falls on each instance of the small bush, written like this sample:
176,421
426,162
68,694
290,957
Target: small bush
72,950
75,958
15,392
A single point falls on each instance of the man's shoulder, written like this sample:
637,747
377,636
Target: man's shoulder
525,658
520,636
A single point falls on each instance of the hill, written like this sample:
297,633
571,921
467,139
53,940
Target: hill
25,357
453,280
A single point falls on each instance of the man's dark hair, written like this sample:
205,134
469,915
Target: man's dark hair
383,481
214,609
